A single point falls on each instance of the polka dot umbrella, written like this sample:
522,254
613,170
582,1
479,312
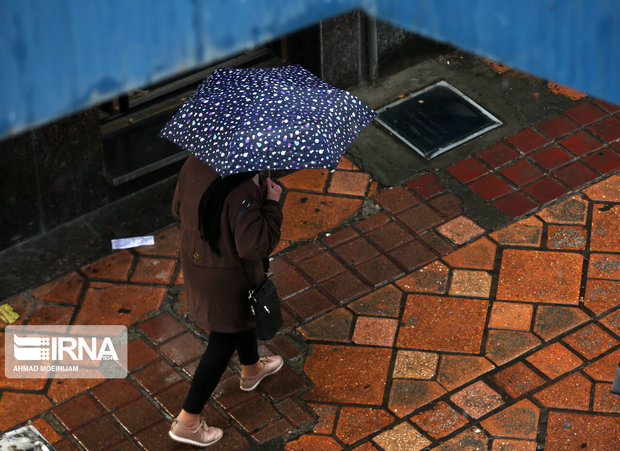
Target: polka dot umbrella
240,120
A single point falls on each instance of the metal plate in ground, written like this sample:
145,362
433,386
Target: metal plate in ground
26,438
436,119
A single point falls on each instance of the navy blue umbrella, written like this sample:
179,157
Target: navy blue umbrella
241,120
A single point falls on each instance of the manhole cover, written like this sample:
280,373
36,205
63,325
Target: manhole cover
436,119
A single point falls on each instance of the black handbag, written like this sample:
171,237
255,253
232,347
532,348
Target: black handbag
264,300
265,306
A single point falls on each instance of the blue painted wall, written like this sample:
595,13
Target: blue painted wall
60,56
574,42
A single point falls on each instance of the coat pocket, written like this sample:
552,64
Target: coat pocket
198,253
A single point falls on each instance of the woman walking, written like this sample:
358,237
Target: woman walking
216,240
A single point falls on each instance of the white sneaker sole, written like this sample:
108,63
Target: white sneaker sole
261,379
192,442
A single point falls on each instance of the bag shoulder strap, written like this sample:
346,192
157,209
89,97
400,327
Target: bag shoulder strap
244,207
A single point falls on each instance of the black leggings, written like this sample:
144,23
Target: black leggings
213,363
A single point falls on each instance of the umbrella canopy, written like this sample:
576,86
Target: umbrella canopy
240,120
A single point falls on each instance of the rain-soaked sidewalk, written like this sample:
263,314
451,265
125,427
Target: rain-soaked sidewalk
408,324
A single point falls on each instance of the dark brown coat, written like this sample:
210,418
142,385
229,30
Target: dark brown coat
216,286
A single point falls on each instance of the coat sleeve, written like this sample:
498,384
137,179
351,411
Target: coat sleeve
176,202
258,230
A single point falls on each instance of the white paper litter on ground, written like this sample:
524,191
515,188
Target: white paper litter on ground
126,243
26,437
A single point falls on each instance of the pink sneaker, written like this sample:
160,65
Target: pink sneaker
271,365
199,435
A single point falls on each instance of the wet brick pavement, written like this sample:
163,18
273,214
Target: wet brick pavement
408,325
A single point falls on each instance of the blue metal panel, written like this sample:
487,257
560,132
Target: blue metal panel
573,42
231,26
59,56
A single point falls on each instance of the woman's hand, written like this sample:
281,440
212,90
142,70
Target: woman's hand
273,191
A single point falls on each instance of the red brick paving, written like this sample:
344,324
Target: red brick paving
575,175
78,411
356,423
497,155
521,172
472,438
435,323
600,294
460,230
412,326
515,204
407,395
524,276
356,251
467,170
439,420
415,365
527,140
375,331
161,328
503,346
585,113
567,430
517,379
551,157
607,106
433,278
552,321
426,186
383,302
21,407
326,414
526,232
477,255
477,400
566,237
591,341
604,161
608,129
571,392
396,199
612,322
116,392
580,143
349,183
309,303
333,326
491,187
449,205
420,218
330,368
545,190
511,315
65,289
556,127
457,370
554,360
519,420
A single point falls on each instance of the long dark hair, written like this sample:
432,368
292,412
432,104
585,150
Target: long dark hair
212,204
